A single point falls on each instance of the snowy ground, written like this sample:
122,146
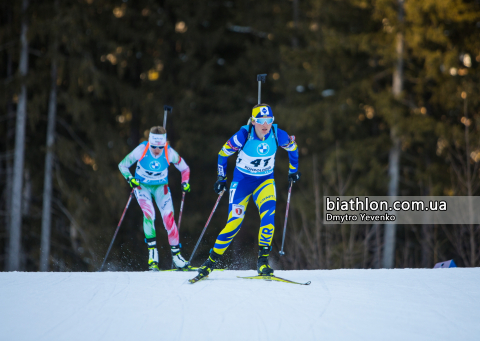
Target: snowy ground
409,304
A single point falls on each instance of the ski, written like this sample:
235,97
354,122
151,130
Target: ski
187,269
197,279
191,269
275,278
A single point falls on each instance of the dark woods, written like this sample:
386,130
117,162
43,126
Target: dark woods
382,97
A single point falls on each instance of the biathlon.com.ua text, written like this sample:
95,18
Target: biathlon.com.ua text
366,204
366,210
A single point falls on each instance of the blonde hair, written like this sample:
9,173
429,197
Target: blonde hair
158,130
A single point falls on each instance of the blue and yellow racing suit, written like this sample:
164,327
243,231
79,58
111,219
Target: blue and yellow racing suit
253,175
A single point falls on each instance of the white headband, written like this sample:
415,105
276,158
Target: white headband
157,139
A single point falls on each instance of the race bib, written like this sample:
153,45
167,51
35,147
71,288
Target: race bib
150,175
256,165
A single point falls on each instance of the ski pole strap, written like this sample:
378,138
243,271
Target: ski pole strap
206,225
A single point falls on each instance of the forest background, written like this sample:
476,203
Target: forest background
381,95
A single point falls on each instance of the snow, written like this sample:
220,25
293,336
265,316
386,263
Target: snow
400,304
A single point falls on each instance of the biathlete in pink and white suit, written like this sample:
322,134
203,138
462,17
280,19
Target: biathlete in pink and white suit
256,144
151,179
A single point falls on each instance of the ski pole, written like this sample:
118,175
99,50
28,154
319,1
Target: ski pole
261,79
166,109
208,221
180,217
286,217
181,210
118,227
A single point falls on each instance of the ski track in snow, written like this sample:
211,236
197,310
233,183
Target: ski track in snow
401,304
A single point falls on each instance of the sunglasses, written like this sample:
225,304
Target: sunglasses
155,147
268,120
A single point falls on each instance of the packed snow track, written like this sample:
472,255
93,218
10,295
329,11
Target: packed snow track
407,304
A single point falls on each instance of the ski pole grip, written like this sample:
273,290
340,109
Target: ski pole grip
167,108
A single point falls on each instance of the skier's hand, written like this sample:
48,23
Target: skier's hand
294,177
220,185
134,183
185,187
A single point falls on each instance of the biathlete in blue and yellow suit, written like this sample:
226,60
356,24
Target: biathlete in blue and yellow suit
256,144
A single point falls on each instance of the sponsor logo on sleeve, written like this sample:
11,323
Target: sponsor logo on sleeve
220,170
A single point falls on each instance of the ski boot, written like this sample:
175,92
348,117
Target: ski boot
178,260
262,264
209,265
152,254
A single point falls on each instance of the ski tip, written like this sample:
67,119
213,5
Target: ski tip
275,278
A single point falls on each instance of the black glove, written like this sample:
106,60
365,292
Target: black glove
185,187
293,177
134,183
220,185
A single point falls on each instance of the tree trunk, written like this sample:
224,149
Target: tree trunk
8,137
47,189
13,259
394,155
391,229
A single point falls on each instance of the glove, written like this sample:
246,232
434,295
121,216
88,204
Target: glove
220,185
185,187
134,183
293,177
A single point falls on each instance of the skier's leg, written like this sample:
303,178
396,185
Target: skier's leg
163,199
144,198
237,206
265,199
240,193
